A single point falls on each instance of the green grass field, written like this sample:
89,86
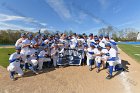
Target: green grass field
4,57
132,50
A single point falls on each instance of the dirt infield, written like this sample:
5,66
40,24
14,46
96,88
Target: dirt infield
7,46
75,79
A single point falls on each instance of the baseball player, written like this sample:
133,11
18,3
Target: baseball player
54,54
80,47
84,61
90,39
104,56
63,43
31,61
90,55
19,41
73,41
102,39
112,42
111,59
81,40
84,37
98,58
44,56
27,44
14,66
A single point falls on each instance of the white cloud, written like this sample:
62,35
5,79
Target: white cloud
126,23
82,15
44,24
27,20
33,25
78,21
116,10
80,18
96,20
4,17
4,26
60,8
104,3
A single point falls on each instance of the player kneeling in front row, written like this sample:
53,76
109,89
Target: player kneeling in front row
54,54
91,51
44,57
98,58
111,59
31,61
14,66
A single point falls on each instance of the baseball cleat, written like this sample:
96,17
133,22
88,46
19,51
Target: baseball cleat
36,73
98,71
109,77
90,69
12,78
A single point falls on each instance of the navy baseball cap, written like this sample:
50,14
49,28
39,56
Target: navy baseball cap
96,39
99,46
107,45
45,47
30,35
22,34
95,36
101,36
74,33
80,35
18,48
83,34
85,45
90,34
37,36
107,36
92,44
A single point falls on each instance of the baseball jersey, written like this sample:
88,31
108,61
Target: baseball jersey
73,42
105,51
19,42
89,41
24,50
13,59
112,54
91,52
43,53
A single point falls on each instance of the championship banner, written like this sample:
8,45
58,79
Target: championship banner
70,57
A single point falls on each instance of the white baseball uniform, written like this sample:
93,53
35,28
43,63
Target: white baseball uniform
90,54
112,57
54,55
42,58
89,41
15,63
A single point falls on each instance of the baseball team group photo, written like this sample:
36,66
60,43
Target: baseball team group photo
69,46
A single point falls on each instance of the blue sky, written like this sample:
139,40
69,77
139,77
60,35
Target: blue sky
76,15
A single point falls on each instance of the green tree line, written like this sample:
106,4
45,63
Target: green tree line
11,36
126,34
